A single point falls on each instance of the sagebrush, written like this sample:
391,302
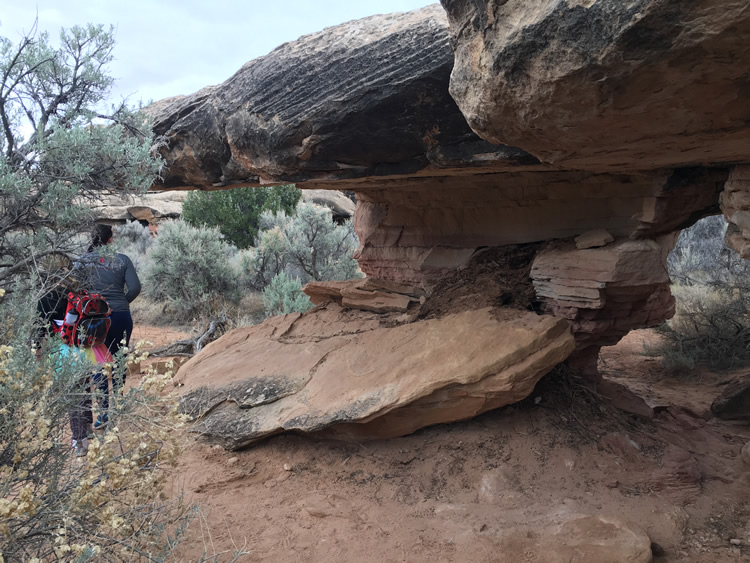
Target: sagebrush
711,326
190,271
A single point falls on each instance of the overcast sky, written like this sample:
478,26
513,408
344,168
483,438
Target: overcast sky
170,47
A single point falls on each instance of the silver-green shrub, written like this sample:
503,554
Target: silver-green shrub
190,271
700,257
73,152
57,151
307,245
283,295
133,237
302,247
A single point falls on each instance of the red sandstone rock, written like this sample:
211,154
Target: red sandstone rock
366,294
344,375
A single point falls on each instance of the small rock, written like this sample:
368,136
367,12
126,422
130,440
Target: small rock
283,477
593,239
270,484
537,400
613,484
570,464
232,460
735,541
216,447
287,467
745,454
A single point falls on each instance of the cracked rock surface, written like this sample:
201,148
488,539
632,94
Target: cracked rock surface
352,375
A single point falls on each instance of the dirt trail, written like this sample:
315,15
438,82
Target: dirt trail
453,492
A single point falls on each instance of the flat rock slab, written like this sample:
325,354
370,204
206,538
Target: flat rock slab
349,375
583,539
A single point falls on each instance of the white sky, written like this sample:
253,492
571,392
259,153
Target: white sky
170,47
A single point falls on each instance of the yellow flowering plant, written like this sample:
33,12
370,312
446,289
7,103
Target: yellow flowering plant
109,505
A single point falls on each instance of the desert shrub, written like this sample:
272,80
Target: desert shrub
133,237
107,506
711,326
284,295
190,270
307,245
264,262
236,213
56,152
701,257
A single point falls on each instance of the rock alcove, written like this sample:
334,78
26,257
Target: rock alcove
521,174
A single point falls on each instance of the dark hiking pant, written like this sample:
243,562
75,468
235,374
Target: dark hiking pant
121,327
80,410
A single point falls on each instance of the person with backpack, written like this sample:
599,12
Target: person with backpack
113,276
78,322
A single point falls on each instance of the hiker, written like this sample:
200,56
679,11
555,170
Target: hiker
53,309
114,277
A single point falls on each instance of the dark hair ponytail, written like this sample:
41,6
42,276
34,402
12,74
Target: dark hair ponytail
100,236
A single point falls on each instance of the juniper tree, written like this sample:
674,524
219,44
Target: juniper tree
58,148
236,213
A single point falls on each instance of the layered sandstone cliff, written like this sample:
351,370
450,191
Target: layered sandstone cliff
614,124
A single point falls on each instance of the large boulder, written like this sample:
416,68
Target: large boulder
356,375
606,84
365,98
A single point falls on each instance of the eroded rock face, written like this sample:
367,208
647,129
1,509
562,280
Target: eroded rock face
638,113
420,229
735,204
365,98
150,207
605,292
354,375
606,84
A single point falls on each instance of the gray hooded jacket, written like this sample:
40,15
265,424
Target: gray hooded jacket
114,277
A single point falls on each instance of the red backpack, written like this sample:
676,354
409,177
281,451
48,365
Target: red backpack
86,319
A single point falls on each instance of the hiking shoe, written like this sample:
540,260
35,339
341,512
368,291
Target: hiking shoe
101,421
81,447
90,432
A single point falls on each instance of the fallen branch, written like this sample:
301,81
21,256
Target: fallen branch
179,348
190,347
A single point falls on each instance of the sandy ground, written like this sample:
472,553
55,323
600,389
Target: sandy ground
454,491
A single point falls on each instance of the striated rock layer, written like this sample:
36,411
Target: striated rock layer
365,98
420,229
350,376
605,292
